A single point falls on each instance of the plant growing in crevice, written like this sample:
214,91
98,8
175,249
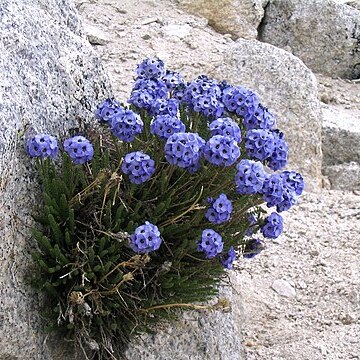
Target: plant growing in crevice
146,213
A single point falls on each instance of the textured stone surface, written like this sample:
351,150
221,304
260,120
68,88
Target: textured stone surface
343,176
285,85
205,335
329,44
341,135
239,18
51,79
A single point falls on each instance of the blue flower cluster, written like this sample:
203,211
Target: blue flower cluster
273,226
259,143
220,210
108,109
79,149
210,243
139,166
221,150
127,125
145,239
173,80
42,145
165,106
278,158
166,125
228,259
250,177
226,127
151,69
184,149
204,96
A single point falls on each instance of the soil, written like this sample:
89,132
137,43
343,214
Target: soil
302,293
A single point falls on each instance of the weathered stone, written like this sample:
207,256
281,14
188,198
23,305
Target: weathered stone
239,18
340,135
283,288
343,176
285,85
51,80
202,335
322,33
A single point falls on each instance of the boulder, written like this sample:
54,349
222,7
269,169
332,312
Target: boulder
341,135
51,81
200,335
322,33
238,18
343,176
289,89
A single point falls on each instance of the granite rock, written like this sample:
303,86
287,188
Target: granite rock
238,18
51,81
323,33
285,85
343,176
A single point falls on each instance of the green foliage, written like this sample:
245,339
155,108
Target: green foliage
99,290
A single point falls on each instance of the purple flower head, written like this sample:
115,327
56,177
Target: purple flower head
293,181
273,190
178,93
278,158
252,248
42,145
184,149
273,226
166,125
210,243
289,199
151,69
127,126
204,96
260,144
221,150
139,166
250,177
79,149
220,210
165,106
108,109
146,91
228,259
172,80
226,127
145,239
259,118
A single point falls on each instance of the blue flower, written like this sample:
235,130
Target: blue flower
166,125
107,110
250,177
145,239
293,181
252,248
127,126
228,259
139,166
252,220
273,190
42,145
79,149
151,69
278,158
221,150
165,106
273,226
259,118
260,144
220,210
226,127
172,80
184,149
210,243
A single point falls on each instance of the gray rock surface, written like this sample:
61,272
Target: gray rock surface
289,89
323,33
51,79
238,18
343,176
204,335
341,135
